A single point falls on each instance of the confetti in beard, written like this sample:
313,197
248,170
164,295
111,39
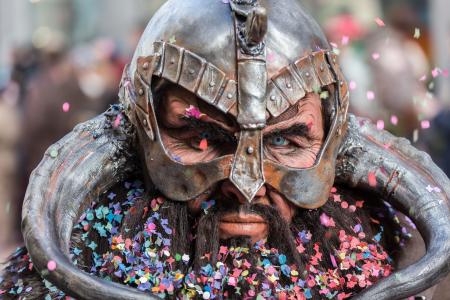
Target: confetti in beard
280,236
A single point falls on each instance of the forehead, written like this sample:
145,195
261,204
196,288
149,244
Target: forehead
176,97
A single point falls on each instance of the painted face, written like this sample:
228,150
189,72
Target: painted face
193,132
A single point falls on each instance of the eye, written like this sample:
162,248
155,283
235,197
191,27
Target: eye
278,140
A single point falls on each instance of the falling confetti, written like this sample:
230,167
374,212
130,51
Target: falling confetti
66,107
370,95
394,120
380,22
380,124
51,265
352,85
425,124
345,40
417,33
415,135
376,56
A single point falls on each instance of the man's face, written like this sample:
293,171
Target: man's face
293,139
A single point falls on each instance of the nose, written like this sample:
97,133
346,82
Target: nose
230,191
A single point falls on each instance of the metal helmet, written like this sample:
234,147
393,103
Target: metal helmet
252,60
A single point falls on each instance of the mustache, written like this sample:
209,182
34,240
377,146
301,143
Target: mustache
208,240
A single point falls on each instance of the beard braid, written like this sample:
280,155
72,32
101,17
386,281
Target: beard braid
158,247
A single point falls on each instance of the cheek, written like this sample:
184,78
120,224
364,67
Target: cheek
284,207
195,205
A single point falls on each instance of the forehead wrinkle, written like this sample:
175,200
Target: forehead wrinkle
283,123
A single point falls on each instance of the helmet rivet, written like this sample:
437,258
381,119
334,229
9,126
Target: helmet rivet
322,68
191,71
250,150
289,86
229,95
307,74
141,92
273,98
212,84
145,66
341,83
172,61
145,123
334,59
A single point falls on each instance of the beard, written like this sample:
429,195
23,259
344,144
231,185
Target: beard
174,254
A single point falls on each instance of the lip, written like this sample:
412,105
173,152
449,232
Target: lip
242,218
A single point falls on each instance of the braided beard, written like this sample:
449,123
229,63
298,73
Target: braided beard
174,254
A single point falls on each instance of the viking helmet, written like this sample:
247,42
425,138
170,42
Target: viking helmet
250,59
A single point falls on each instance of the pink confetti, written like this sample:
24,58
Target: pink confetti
394,120
271,57
203,144
423,78
117,121
51,265
333,260
66,107
193,112
352,85
372,179
334,45
370,95
380,124
425,124
445,72
376,56
435,72
380,22
345,40
326,220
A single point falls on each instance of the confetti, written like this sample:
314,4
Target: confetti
372,179
345,40
203,145
380,22
370,95
415,135
435,72
146,262
380,124
352,85
376,56
417,33
425,124
51,265
66,107
326,221
193,112
394,120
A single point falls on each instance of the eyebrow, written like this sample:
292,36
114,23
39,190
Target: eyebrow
217,131
300,129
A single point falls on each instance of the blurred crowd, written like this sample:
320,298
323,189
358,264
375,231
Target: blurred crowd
385,53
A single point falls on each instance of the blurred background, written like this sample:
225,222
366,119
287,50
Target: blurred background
61,62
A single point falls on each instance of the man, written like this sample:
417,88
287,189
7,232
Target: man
254,182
